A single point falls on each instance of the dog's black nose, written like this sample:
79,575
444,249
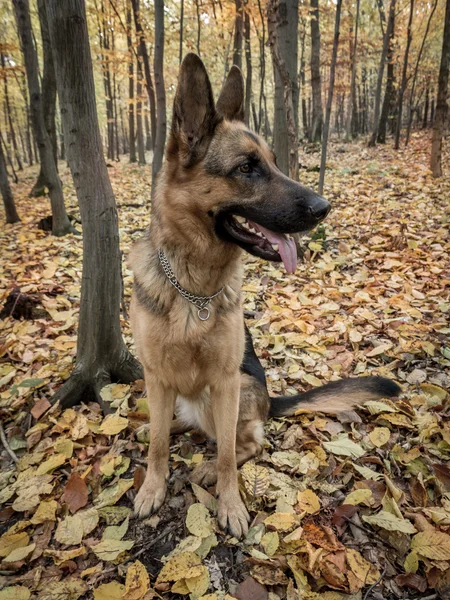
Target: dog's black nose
319,208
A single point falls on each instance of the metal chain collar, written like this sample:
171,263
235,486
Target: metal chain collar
200,302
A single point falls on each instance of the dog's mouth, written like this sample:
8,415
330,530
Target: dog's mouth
262,242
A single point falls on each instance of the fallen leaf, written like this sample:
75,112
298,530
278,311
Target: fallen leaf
137,582
256,479
388,521
109,591
379,436
113,424
75,493
198,521
308,501
432,544
110,549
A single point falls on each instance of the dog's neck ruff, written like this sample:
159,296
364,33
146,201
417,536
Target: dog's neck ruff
200,302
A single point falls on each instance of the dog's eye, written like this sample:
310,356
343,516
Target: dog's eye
245,168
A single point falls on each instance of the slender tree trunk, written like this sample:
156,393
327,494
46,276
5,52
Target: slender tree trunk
280,60
402,89
387,37
248,63
441,106
282,20
351,113
114,100
148,135
387,109
60,221
142,51
158,66
326,129
426,108
102,356
139,124
9,160
199,25
416,70
238,33
316,82
130,88
262,66
8,115
306,131
5,189
181,31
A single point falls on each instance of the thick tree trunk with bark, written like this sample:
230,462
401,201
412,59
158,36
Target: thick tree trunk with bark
277,11
142,51
5,189
238,33
351,126
441,105
60,221
388,101
316,81
48,96
283,41
326,128
161,125
387,37
102,356
404,77
248,64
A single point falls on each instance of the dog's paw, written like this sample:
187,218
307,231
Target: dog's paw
233,515
150,497
204,474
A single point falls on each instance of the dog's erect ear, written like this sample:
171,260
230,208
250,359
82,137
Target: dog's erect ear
194,115
231,100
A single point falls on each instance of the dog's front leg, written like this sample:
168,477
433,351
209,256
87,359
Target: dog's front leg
161,402
232,513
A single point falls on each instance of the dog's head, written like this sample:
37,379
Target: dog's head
228,173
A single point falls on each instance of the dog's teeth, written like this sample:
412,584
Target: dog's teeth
275,247
241,220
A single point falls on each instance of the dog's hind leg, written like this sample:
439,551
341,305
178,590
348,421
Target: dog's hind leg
161,403
232,513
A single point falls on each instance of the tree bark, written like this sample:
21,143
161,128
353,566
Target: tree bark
139,122
60,221
102,356
316,82
199,25
387,37
273,19
388,101
180,57
283,41
426,107
404,76
5,189
48,97
142,51
238,33
248,75
132,134
9,116
158,66
350,128
326,128
441,105
262,67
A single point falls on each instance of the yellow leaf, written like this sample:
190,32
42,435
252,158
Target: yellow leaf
343,446
434,391
358,497
113,424
109,591
46,511
198,585
432,544
360,567
72,529
177,567
51,464
312,380
15,592
116,532
65,447
9,542
112,494
379,436
281,521
198,521
256,479
110,549
270,542
390,522
411,563
19,553
60,556
205,498
308,501
137,582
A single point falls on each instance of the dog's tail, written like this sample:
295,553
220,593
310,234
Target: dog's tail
336,396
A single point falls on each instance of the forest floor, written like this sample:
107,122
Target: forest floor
338,504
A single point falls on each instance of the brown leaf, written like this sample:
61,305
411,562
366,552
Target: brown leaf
442,472
139,476
413,581
321,536
250,589
75,493
418,493
342,513
39,408
268,576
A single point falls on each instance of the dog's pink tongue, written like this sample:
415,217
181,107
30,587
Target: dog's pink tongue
286,247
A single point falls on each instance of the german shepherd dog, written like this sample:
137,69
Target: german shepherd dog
218,193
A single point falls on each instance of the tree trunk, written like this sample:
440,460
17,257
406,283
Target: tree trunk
248,64
158,66
102,356
5,189
350,128
277,13
306,131
326,129
387,37
238,33
60,221
441,105
387,109
404,75
262,67
132,134
142,51
9,116
139,124
283,41
426,108
181,32
199,25
48,97
316,82
416,70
